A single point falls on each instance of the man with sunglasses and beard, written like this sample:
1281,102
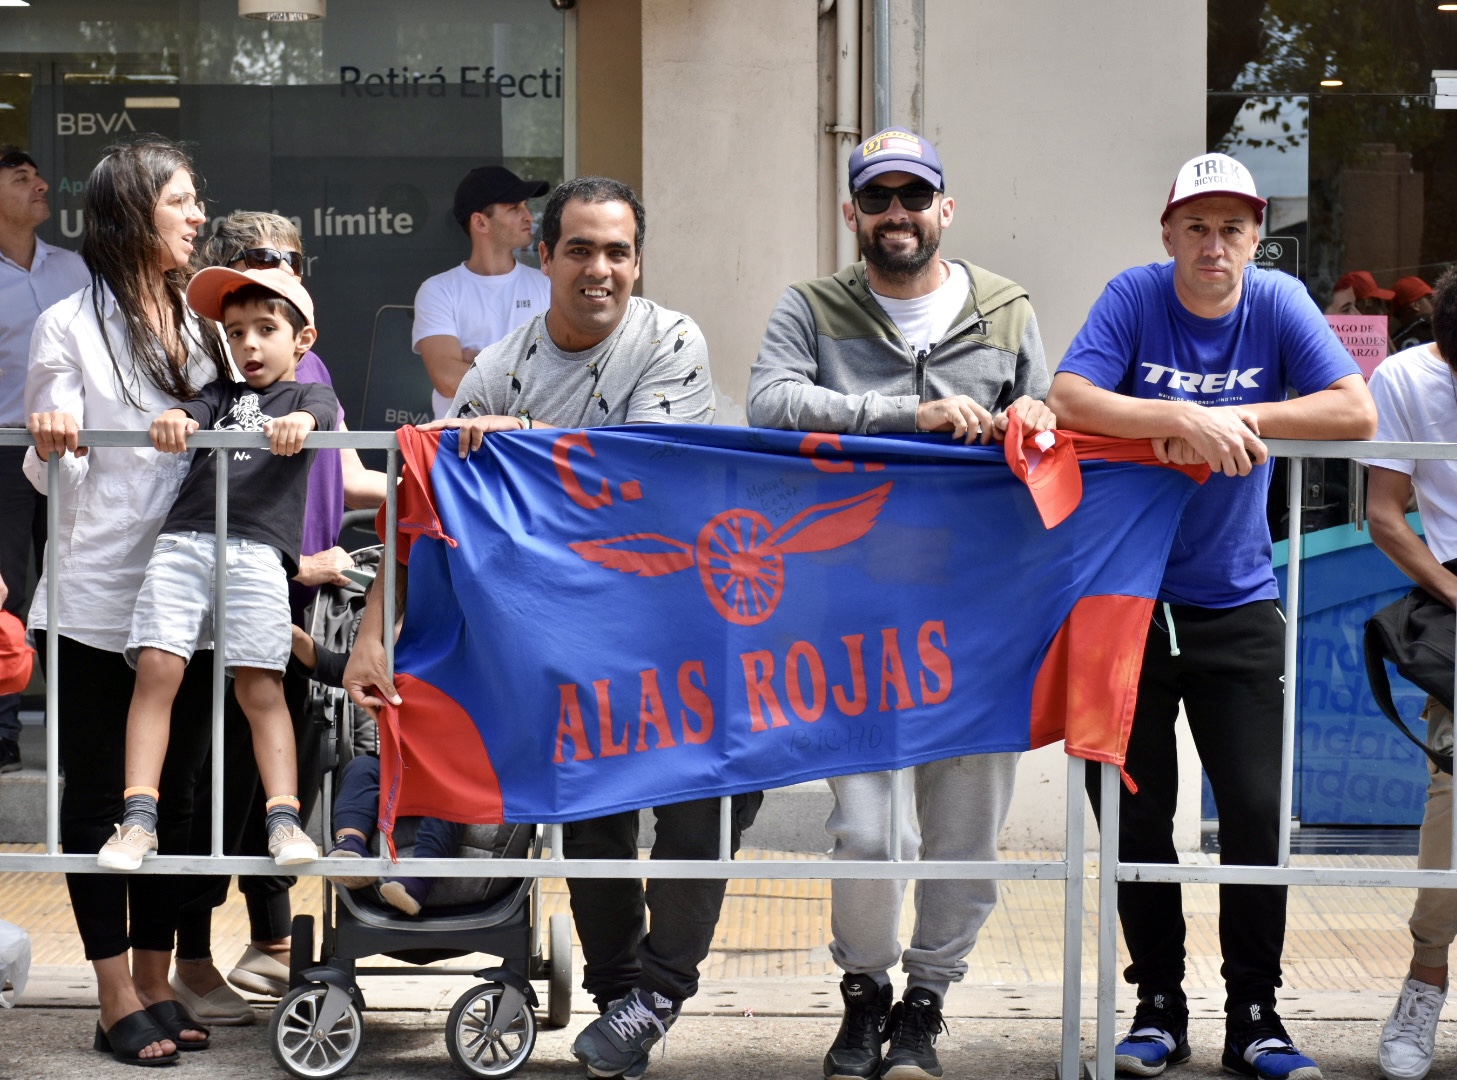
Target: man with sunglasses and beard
904,341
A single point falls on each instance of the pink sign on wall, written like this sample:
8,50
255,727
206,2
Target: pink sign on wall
1364,337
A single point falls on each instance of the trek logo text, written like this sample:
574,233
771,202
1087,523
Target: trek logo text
1197,382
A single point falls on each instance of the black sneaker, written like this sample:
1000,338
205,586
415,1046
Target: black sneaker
855,1053
1157,1039
914,1024
617,1042
1256,1045
9,756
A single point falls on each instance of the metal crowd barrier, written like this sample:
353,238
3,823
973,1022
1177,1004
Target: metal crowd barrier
1069,869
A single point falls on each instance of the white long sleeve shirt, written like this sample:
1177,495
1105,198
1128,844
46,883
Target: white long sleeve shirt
114,499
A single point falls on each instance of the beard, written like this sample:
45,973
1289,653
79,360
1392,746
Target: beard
901,262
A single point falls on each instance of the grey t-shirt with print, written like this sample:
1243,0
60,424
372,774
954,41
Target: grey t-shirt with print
652,369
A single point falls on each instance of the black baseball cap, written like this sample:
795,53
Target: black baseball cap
492,184
13,158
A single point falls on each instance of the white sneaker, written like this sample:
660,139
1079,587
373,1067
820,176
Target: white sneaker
1409,1038
127,848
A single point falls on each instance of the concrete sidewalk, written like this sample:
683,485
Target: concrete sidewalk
769,1004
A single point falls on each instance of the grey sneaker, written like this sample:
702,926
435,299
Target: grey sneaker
617,1042
1409,1038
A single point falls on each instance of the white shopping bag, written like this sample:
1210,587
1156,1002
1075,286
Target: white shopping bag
14,962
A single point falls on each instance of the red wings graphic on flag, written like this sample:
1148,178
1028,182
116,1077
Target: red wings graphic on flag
739,555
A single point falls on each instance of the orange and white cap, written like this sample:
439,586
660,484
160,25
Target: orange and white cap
210,287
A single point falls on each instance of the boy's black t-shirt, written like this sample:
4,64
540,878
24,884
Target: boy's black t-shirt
265,491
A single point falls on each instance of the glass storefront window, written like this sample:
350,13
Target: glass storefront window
358,127
1328,102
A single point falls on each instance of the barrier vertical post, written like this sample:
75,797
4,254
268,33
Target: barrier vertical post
386,577
53,659
391,511
1109,798
897,822
725,828
1072,922
1292,656
219,642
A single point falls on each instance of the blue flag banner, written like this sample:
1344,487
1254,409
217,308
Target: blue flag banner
624,617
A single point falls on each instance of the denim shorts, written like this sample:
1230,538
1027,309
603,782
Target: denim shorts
174,608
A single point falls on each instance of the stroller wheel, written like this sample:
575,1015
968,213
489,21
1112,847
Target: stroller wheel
481,1042
559,971
309,1034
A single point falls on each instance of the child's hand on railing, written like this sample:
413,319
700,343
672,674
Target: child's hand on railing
170,430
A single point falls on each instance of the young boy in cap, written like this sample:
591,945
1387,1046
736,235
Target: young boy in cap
268,321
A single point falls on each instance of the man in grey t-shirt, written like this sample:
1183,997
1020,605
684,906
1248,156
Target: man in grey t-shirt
599,356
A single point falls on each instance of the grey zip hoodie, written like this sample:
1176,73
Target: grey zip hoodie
832,359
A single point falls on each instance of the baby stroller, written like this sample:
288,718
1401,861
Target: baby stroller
317,1030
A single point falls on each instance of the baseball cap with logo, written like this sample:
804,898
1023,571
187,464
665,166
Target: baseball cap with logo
1210,176
210,287
891,151
1363,285
1409,290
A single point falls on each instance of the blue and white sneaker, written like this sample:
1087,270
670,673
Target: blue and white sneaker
1257,1045
1157,1039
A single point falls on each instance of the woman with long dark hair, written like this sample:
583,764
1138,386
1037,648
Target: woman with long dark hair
113,356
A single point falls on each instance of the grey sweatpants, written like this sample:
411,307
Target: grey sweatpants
960,804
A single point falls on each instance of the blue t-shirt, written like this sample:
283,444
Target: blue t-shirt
1140,340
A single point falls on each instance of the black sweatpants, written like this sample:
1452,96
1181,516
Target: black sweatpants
1229,674
617,953
95,692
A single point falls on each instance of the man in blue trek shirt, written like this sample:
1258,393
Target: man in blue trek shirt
1200,354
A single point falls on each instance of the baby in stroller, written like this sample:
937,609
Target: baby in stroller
356,811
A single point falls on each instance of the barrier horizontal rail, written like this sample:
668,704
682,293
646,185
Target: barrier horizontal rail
799,869
1070,868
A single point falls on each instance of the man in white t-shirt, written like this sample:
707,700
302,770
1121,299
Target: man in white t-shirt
33,276
1416,401
904,341
460,312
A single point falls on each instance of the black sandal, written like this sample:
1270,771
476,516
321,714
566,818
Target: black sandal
129,1036
174,1019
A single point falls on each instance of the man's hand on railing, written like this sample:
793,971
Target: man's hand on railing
474,429
367,676
1225,438
324,567
54,432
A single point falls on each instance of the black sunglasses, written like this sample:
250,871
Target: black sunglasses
267,258
876,200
